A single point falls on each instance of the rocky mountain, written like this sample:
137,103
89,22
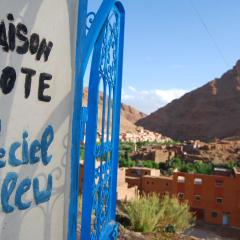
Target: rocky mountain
129,115
211,111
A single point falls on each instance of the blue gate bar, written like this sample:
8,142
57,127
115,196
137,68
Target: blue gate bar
87,39
116,128
99,182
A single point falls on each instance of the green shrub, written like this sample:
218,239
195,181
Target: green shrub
175,216
150,164
203,168
149,214
197,167
142,144
127,163
125,149
176,163
144,213
140,164
230,165
131,163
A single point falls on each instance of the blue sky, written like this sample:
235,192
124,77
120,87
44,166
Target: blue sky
168,50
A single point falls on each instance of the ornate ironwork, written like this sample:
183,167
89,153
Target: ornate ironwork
90,19
102,32
100,164
107,74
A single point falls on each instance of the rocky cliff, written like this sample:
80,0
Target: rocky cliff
211,111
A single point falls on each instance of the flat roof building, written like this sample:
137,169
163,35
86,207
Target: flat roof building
214,198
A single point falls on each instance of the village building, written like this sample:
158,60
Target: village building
213,198
154,153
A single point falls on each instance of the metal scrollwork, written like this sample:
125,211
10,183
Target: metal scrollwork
103,173
115,233
101,158
90,19
108,56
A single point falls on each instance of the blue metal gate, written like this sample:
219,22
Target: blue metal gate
101,158
105,37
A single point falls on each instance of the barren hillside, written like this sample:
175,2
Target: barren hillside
129,115
211,111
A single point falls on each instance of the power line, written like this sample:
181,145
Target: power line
220,52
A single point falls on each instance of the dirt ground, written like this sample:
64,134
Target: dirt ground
126,234
205,231
201,231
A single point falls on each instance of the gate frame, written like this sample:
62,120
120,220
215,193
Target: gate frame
84,46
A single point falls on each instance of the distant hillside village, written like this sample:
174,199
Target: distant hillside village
143,135
139,134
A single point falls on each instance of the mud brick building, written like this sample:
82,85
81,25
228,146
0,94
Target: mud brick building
213,198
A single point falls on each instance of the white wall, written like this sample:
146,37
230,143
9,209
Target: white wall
53,20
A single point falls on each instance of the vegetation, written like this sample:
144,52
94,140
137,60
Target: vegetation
197,167
127,163
148,164
125,149
154,214
131,163
82,152
147,143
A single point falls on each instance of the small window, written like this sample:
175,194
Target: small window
219,200
180,195
147,182
152,183
166,183
214,214
197,197
181,179
198,181
219,183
